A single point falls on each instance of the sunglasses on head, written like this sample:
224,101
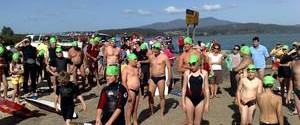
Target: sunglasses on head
113,65
157,48
251,69
193,64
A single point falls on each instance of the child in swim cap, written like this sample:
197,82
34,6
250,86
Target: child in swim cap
113,99
65,92
17,70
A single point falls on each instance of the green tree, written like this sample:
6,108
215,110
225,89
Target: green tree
7,31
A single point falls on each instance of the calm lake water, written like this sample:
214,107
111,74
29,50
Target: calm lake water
228,41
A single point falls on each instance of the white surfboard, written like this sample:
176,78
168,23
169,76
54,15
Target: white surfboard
46,105
166,86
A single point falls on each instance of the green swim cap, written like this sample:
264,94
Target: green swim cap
74,43
143,46
268,80
131,56
112,70
193,59
52,40
97,39
113,39
156,45
41,52
245,50
91,40
58,50
251,67
207,44
1,50
16,56
285,47
188,40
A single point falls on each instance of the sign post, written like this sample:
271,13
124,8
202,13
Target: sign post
192,18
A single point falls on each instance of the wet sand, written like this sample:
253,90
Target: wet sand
222,110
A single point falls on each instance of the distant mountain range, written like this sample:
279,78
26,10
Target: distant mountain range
180,23
207,26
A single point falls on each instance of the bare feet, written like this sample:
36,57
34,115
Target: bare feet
162,117
135,123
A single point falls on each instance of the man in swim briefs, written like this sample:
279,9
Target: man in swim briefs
131,80
158,64
78,60
295,84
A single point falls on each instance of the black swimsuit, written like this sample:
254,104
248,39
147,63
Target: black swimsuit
249,103
195,89
297,92
157,79
135,91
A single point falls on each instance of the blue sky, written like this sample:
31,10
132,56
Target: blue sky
45,16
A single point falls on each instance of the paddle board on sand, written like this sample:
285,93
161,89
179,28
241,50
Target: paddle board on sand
166,86
80,123
46,105
11,107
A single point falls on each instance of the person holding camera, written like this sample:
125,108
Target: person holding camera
29,62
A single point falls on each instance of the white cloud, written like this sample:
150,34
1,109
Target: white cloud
143,12
173,10
212,7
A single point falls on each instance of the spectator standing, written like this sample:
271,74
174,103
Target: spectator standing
259,54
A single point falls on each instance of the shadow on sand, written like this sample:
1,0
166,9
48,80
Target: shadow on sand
13,120
145,114
90,96
230,91
236,115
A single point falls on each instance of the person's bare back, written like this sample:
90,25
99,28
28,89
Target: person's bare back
76,56
268,104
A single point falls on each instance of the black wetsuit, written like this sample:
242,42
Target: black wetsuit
285,71
29,57
60,63
142,56
52,53
52,56
67,93
195,89
112,97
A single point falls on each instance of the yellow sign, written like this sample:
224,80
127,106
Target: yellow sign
192,17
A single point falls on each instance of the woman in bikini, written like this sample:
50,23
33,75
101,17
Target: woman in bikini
195,92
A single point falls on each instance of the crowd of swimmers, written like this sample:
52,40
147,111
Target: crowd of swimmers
135,65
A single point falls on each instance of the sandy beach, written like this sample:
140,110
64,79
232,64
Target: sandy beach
222,110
